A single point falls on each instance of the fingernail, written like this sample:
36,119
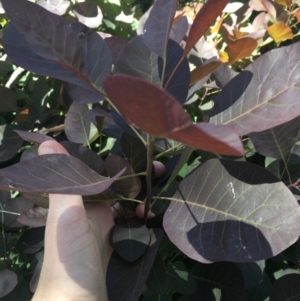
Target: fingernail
45,150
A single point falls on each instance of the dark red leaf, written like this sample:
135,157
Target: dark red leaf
156,112
206,16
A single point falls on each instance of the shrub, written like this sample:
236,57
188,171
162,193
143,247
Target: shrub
226,211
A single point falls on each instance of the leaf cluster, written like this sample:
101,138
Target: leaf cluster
226,209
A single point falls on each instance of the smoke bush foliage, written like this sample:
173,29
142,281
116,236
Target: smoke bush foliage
226,222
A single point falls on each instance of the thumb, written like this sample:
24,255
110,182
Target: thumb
60,203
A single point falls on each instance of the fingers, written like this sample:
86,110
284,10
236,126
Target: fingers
52,147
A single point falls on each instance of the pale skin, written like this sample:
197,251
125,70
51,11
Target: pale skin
77,248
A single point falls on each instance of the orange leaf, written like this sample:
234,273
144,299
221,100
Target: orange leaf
239,34
22,116
240,49
201,71
280,32
217,26
297,14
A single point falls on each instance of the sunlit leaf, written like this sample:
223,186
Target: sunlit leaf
240,49
232,211
272,95
149,66
162,116
204,19
179,29
157,27
203,70
58,7
280,32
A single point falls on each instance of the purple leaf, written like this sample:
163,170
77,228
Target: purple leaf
8,281
116,45
149,66
232,211
78,126
129,187
272,96
159,114
278,141
34,137
157,27
55,173
179,29
130,278
130,240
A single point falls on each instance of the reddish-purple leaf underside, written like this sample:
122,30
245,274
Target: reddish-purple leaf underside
55,173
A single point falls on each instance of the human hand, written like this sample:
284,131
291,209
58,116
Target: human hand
77,248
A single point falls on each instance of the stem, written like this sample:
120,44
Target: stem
9,212
131,176
150,146
168,150
132,127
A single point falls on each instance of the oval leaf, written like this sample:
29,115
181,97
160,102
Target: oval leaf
8,281
232,211
55,173
272,92
156,112
157,27
278,141
280,32
130,278
129,187
241,48
130,241
206,16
